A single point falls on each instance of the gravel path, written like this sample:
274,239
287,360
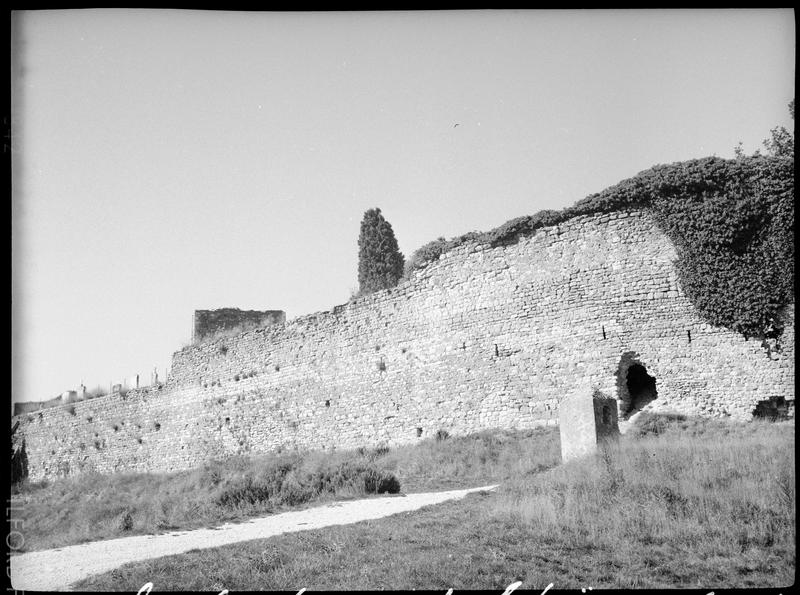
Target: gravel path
56,570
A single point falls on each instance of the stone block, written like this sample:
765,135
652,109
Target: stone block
587,420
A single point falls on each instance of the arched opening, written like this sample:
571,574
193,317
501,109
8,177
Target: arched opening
641,386
636,388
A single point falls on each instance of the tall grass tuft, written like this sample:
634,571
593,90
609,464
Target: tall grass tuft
723,490
489,456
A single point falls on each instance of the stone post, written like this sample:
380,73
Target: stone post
586,418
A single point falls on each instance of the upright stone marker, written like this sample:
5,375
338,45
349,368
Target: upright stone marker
586,419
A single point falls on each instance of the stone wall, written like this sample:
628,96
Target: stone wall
29,406
208,323
484,337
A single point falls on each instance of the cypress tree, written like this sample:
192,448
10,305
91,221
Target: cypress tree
380,262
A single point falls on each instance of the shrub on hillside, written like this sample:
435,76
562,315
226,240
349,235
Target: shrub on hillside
291,480
431,251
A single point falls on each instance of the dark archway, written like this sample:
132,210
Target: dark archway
773,408
641,386
635,387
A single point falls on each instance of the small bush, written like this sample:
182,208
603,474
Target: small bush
431,251
124,521
441,435
293,480
379,482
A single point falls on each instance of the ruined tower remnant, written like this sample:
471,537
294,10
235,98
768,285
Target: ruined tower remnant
587,420
208,323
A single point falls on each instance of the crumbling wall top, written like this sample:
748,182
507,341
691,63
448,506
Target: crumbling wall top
208,323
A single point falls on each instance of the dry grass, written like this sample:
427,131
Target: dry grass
94,507
724,492
482,458
686,504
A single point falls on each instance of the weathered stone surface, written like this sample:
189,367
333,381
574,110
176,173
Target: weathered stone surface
605,418
207,323
587,420
484,337
577,426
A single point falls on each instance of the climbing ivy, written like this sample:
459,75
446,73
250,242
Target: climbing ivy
433,250
732,223
735,238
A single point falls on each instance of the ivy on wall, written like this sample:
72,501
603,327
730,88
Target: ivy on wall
732,223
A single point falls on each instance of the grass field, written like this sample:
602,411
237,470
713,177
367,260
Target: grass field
94,507
679,503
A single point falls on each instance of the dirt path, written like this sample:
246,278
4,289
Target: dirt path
56,570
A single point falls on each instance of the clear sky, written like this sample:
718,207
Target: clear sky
166,161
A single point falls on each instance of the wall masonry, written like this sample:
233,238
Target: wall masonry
484,337
207,323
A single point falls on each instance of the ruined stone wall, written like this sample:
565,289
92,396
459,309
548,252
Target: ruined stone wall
208,323
484,337
28,406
